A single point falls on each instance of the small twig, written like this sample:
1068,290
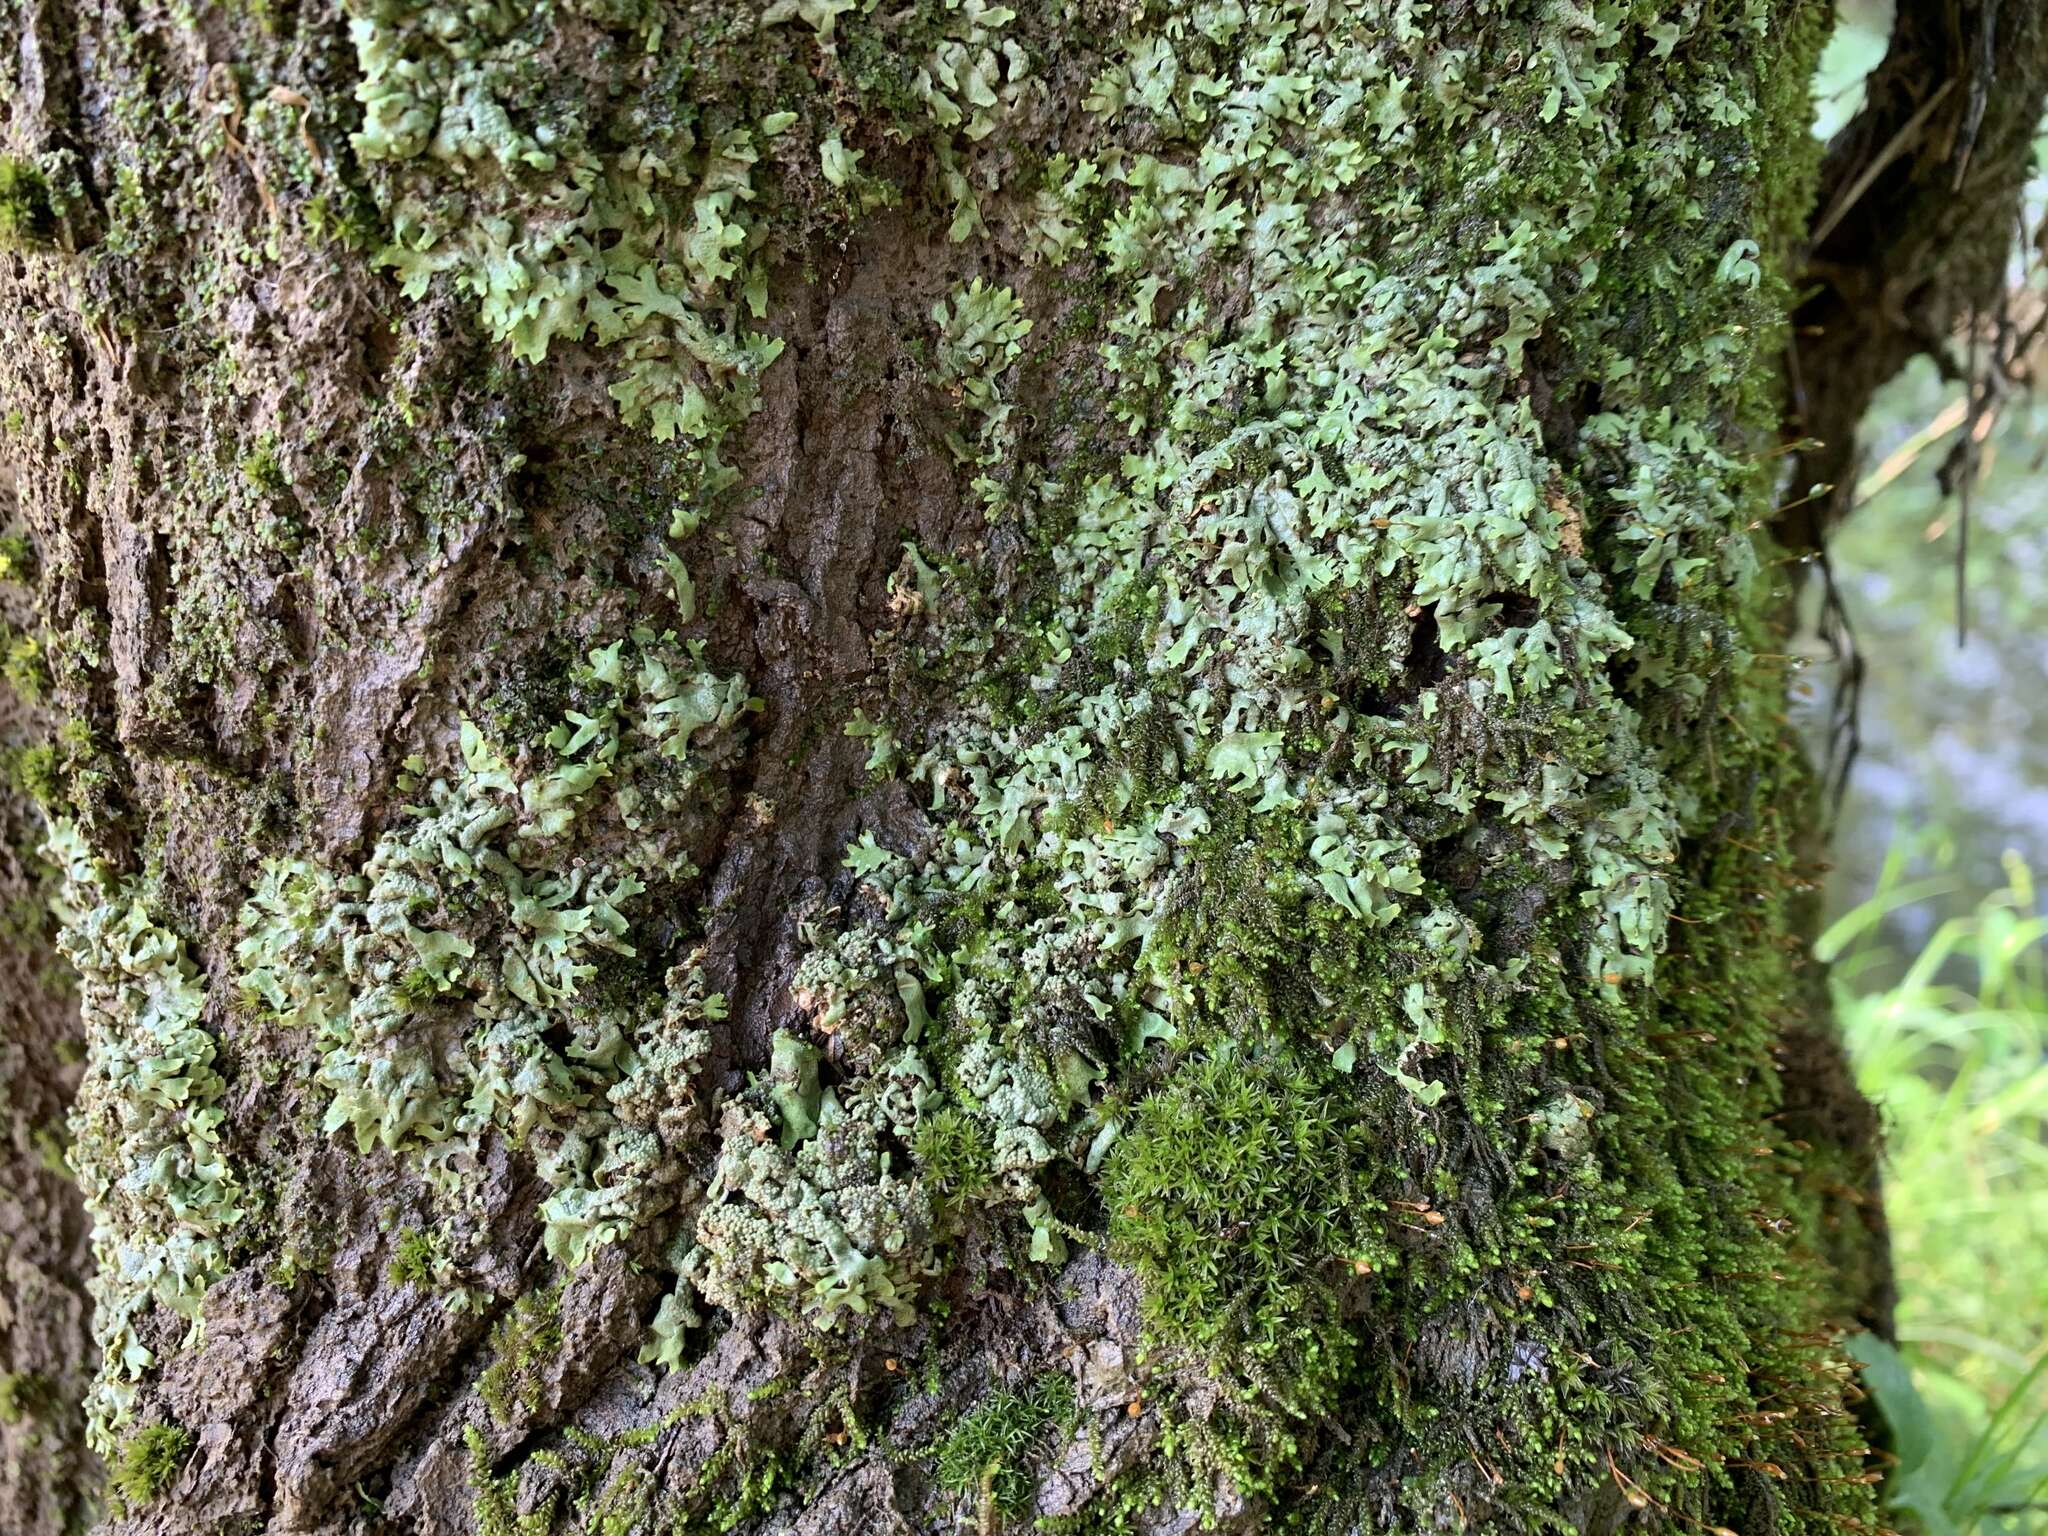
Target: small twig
1980,91
1963,500
1907,454
1845,712
1959,470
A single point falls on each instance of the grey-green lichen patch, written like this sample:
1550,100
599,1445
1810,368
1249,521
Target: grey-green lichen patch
646,224
981,332
819,1217
1354,430
491,175
145,1125
450,986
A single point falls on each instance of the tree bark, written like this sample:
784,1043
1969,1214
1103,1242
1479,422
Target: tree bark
848,768
45,1340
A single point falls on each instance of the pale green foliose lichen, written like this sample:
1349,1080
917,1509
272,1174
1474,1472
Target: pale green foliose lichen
647,251
636,230
469,913
981,332
1349,436
145,1125
818,1217
1333,603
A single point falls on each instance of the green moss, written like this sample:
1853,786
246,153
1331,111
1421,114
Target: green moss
22,666
286,1270
27,220
1242,1193
418,1258
260,466
954,1155
149,1461
17,555
496,1498
524,1339
987,1454
595,1486
37,771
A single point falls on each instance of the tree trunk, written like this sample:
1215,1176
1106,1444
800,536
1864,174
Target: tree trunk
45,1340
866,767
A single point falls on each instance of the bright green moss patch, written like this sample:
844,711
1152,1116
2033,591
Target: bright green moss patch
34,769
260,466
593,1489
1241,1193
22,666
149,1461
27,219
496,1497
17,556
987,1453
954,1155
417,1259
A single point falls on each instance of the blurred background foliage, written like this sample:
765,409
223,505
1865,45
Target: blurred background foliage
1939,972
1954,1048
